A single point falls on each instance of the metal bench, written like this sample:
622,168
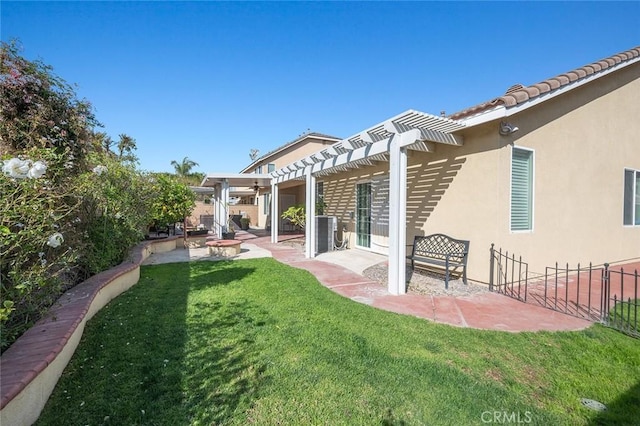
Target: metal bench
441,250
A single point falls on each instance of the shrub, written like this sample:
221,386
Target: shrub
296,215
69,206
114,213
173,200
38,251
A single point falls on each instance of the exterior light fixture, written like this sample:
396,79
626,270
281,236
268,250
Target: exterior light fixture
507,129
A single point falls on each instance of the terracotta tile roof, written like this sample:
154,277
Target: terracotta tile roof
518,93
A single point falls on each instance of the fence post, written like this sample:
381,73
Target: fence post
605,294
491,268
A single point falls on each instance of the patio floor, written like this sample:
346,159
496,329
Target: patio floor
341,271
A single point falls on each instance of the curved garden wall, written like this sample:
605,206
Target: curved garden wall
31,367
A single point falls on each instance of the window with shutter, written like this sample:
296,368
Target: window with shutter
521,189
631,214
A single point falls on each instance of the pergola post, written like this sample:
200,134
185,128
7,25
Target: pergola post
274,212
310,217
225,203
219,211
397,216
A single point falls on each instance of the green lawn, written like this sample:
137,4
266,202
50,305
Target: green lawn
258,342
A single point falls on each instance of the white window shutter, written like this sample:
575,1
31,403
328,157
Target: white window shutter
521,189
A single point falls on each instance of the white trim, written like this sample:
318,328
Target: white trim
289,145
533,188
634,191
240,180
503,112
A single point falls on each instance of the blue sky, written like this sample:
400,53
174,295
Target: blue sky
212,80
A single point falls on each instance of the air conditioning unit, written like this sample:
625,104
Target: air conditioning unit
325,228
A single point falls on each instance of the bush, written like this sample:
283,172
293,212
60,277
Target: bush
69,206
296,215
38,254
114,213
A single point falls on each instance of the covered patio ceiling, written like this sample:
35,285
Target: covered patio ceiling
237,180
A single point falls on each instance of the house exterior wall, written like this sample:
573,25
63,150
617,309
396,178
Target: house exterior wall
298,151
263,219
582,141
293,191
293,153
281,159
340,199
246,210
202,208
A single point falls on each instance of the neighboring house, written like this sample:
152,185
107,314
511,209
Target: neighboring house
260,197
549,172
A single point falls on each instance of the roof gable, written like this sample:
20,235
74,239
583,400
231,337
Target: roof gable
299,140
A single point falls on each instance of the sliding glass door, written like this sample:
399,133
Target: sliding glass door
363,215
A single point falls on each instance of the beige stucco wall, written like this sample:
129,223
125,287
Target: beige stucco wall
281,159
246,210
263,218
583,140
295,152
582,144
340,199
200,209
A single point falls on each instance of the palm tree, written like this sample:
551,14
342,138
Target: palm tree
184,168
126,147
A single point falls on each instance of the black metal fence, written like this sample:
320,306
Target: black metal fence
596,293
508,275
620,306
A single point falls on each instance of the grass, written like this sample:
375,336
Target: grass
258,342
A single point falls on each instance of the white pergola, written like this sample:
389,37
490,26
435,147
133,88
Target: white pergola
388,141
223,184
